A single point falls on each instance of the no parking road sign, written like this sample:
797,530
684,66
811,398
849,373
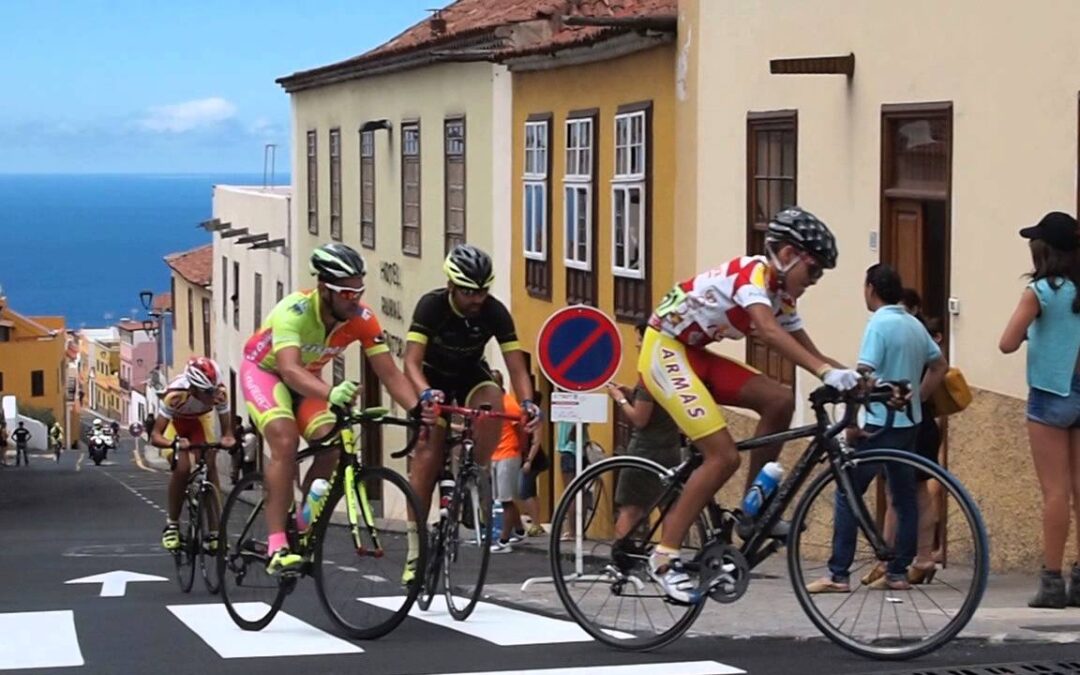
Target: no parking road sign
579,348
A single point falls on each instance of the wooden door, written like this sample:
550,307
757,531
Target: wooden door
371,436
904,240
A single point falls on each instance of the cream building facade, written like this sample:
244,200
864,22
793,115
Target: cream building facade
932,133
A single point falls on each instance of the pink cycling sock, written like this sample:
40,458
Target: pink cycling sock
276,541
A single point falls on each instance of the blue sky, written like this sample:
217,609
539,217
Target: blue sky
135,86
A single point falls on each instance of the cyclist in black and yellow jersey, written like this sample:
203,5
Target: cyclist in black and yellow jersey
444,359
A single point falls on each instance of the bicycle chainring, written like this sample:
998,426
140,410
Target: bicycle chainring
724,573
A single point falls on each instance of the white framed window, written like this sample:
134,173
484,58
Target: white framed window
577,225
628,206
536,149
536,187
630,145
628,222
535,219
579,135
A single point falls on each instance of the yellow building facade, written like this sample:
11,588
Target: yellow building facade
33,361
192,310
593,196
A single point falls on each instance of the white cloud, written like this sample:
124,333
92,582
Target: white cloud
189,115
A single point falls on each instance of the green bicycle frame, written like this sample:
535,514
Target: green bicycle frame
356,500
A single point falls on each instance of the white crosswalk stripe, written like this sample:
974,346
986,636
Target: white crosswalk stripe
285,636
496,624
677,668
39,640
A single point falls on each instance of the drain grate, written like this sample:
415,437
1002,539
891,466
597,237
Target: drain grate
1031,668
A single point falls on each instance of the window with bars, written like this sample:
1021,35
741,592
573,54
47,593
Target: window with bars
37,383
236,295
335,184
579,234
339,369
771,187
410,189
535,220
206,318
367,189
630,216
224,288
454,155
313,182
258,316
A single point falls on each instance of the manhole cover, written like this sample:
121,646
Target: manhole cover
115,551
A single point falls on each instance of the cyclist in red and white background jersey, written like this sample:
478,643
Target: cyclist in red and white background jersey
186,418
750,295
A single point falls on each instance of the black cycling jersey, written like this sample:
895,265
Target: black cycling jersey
456,343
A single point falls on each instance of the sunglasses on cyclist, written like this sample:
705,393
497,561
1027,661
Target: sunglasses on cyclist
471,292
815,270
346,292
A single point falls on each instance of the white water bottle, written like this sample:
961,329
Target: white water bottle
764,485
313,504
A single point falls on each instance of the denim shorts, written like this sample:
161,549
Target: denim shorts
1054,410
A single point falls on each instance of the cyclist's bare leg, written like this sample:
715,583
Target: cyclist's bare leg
486,432
721,461
775,403
178,484
283,437
629,515
322,464
426,465
212,476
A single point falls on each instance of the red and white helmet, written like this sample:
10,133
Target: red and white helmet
202,373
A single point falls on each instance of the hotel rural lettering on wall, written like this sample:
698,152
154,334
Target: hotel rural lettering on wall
390,308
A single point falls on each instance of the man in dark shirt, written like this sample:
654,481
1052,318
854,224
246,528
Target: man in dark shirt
444,359
21,436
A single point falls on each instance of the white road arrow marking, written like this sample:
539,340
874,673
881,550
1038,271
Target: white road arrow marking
114,584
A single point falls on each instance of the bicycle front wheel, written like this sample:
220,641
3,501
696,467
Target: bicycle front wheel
361,550
209,518
432,571
875,618
252,597
606,586
467,544
185,556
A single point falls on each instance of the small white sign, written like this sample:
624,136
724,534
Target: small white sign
572,407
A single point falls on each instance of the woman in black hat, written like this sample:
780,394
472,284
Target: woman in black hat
1048,317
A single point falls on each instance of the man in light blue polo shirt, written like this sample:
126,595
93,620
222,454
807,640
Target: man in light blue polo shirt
895,346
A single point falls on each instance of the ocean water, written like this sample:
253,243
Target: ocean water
83,246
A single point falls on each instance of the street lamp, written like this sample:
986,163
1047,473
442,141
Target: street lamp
146,297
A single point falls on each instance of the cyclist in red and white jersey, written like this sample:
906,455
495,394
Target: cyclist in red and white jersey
752,295
186,418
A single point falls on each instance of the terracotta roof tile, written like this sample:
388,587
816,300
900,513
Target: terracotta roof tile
162,302
196,265
566,36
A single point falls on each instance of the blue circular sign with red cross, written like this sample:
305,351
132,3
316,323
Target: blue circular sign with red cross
579,348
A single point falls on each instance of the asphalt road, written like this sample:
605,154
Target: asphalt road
73,520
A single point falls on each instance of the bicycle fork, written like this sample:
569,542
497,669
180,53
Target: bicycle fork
844,470
361,515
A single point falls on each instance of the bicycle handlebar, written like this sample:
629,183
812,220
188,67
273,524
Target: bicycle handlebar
367,416
882,392
476,413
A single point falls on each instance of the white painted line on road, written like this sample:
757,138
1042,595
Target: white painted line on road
499,625
675,668
376,578
39,640
285,636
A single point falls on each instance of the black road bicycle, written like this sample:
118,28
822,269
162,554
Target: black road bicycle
357,551
619,603
460,543
197,521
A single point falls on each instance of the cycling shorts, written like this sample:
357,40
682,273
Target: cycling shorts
459,388
269,399
691,383
197,430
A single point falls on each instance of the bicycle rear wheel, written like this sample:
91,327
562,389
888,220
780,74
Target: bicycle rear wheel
252,597
611,594
432,571
467,550
185,556
360,557
872,620
209,519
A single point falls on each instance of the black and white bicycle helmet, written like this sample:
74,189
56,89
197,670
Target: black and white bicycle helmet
469,267
803,230
331,262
